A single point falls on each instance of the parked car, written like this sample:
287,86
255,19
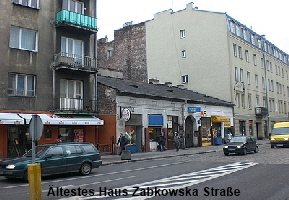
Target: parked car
241,145
54,159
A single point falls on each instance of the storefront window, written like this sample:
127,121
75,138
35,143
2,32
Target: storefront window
19,141
131,134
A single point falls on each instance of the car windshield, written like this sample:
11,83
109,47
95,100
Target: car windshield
38,152
280,131
238,139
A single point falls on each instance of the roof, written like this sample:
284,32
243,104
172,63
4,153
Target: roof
159,91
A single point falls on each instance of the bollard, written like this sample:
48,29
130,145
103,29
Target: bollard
34,178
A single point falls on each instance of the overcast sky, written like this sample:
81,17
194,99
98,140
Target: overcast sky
269,18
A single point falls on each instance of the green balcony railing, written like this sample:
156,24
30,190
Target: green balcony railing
76,19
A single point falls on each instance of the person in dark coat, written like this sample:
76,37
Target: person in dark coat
121,142
162,142
58,139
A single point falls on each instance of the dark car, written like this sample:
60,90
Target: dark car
241,145
54,159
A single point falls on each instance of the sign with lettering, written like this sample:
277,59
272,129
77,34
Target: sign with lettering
125,114
194,109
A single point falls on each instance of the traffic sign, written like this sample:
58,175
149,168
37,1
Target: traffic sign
36,127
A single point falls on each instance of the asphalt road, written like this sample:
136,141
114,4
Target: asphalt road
199,176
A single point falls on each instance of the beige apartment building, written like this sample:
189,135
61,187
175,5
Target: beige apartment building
214,54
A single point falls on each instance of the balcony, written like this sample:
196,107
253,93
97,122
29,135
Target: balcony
74,105
75,62
76,20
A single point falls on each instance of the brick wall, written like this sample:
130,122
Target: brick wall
128,53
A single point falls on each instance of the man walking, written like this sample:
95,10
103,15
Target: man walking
121,142
177,141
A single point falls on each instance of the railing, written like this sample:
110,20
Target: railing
75,19
75,104
105,148
74,61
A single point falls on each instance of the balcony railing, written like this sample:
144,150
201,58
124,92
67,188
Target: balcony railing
67,60
73,18
75,105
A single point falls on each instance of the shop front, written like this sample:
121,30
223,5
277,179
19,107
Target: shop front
220,126
16,140
133,130
155,129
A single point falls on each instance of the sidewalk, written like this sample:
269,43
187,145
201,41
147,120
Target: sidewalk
116,159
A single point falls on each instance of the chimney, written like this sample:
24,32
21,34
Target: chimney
169,84
180,86
190,6
153,81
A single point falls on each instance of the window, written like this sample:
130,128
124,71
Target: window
249,101
257,101
182,33
256,80
236,74
185,78
73,5
28,3
55,152
263,83
255,59
262,63
22,38
248,78
247,55
240,52
109,53
21,85
241,75
71,94
184,54
235,50
74,49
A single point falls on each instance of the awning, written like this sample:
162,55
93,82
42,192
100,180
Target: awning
220,119
10,118
49,119
14,118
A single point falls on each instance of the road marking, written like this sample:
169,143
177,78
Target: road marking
175,182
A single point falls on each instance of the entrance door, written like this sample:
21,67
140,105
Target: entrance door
189,132
18,141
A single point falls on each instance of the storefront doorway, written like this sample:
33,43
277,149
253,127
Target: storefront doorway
19,141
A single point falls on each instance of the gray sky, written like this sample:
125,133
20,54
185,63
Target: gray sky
267,18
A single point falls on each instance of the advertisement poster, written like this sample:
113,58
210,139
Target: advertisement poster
78,135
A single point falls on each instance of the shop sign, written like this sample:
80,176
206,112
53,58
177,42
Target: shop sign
194,109
126,114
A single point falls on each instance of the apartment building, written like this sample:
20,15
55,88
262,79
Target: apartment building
48,68
214,54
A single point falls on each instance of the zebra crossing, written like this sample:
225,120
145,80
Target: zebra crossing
178,185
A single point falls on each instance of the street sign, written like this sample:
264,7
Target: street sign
36,127
35,130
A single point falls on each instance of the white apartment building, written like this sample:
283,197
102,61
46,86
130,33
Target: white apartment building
214,54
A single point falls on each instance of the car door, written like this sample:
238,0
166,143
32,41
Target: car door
54,161
74,157
250,145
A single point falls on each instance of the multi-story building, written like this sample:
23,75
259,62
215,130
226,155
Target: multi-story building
212,53
207,52
48,67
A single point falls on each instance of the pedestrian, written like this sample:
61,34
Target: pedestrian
161,142
58,139
121,142
230,136
177,141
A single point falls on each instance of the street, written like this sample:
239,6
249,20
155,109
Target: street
262,175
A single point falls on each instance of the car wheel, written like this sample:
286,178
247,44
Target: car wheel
256,150
245,151
226,154
25,176
85,169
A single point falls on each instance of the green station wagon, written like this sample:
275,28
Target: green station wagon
54,159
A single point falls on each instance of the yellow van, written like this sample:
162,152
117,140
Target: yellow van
280,134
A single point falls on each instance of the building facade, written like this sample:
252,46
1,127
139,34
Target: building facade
214,54
48,67
144,111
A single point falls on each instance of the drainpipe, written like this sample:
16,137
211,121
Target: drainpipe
95,57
